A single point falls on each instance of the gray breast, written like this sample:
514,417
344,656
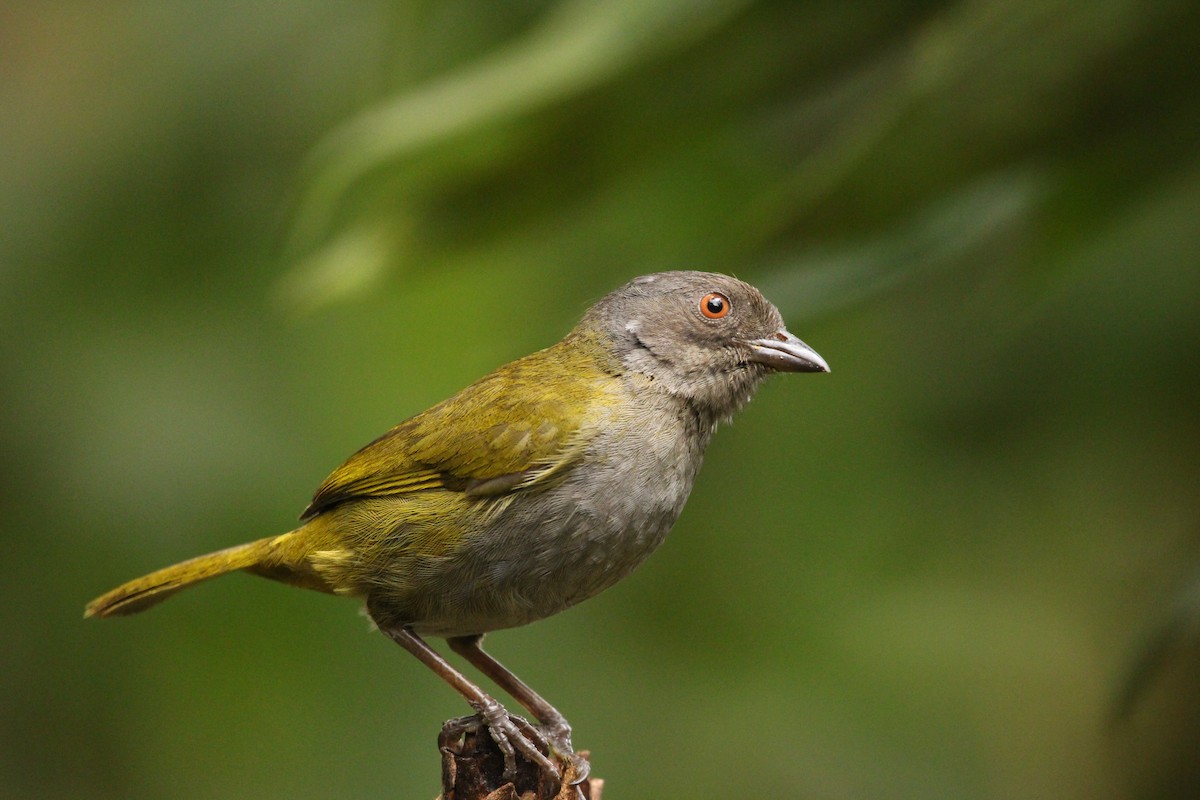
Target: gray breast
549,550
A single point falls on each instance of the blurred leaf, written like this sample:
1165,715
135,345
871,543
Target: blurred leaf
578,44
807,285
351,264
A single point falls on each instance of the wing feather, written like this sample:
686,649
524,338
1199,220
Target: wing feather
516,428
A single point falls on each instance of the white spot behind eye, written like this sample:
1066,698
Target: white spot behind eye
633,326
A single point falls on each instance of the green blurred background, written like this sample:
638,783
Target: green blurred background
237,241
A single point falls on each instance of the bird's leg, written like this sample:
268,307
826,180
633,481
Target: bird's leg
554,724
501,727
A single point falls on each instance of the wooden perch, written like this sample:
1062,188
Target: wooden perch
473,769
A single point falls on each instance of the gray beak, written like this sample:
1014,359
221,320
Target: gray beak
786,353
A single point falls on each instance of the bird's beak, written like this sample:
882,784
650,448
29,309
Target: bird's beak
786,353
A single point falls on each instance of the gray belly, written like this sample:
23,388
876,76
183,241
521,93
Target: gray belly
546,551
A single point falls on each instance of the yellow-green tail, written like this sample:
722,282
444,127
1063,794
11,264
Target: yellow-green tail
148,590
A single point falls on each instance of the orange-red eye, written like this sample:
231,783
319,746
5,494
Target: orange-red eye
714,305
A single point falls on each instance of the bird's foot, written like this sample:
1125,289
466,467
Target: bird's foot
475,761
511,733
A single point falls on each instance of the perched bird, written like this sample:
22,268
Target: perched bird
532,489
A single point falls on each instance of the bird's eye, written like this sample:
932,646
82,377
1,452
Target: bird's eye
714,305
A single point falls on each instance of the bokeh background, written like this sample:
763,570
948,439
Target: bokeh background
239,240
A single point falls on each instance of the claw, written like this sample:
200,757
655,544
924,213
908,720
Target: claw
578,767
558,734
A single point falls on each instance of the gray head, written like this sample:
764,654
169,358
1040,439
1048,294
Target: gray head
709,338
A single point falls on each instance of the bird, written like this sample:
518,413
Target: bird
532,489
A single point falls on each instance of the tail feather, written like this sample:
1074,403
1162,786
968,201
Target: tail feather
148,590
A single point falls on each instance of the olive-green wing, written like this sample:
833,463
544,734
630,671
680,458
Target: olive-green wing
513,429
